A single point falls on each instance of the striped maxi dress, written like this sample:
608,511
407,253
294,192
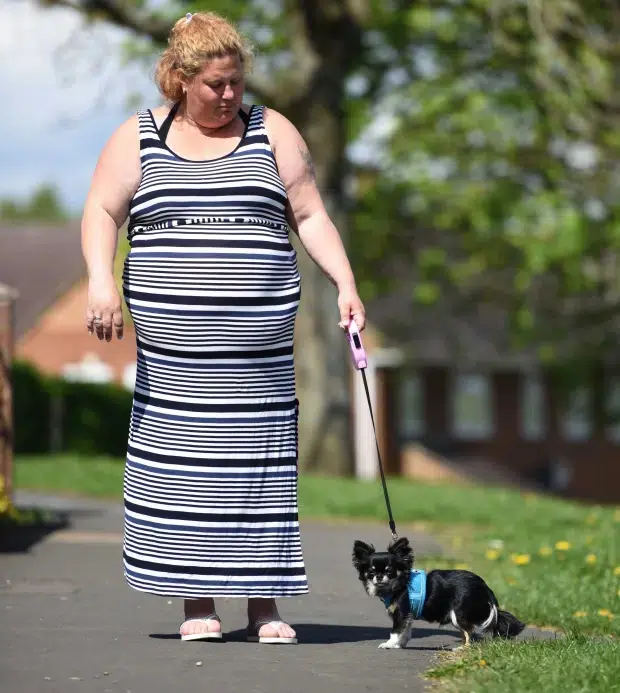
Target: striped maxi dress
212,285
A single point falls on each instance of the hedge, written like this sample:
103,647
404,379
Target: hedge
54,415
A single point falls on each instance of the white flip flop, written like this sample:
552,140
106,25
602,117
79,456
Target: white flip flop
254,637
203,636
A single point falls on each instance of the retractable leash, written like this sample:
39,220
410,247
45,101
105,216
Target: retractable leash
361,363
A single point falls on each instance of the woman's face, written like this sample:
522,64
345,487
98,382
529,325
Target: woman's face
215,94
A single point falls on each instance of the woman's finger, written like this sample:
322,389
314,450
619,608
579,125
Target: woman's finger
89,320
118,324
107,325
359,316
98,324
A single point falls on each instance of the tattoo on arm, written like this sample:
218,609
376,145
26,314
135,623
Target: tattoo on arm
305,155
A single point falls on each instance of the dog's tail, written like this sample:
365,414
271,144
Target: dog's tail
507,625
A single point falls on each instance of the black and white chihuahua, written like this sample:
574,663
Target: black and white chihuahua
456,596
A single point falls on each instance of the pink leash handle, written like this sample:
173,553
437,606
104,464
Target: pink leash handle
357,348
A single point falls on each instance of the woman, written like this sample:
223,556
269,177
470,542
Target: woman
210,187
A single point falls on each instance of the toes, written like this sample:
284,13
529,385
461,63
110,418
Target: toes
283,630
195,627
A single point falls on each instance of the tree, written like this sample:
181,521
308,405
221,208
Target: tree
44,205
309,53
499,182
514,167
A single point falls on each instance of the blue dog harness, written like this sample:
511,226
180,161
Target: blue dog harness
416,589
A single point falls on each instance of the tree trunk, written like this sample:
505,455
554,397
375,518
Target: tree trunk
321,351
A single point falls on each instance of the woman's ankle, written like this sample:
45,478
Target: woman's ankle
262,609
195,608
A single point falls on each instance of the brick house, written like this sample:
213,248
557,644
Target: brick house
44,264
454,400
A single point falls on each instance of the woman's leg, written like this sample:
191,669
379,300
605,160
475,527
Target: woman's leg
267,610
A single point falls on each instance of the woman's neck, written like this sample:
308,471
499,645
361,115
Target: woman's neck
211,130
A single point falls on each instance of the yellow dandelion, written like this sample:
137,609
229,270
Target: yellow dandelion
562,545
591,558
617,515
492,554
520,558
617,570
580,614
605,612
461,566
545,551
482,663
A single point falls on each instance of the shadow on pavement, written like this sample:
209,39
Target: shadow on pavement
328,634
29,527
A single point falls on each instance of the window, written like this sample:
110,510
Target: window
472,407
411,419
532,408
576,421
612,408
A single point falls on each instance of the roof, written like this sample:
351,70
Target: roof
41,262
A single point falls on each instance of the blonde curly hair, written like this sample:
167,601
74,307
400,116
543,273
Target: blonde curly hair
194,40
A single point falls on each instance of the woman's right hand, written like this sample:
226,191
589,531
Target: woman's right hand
104,313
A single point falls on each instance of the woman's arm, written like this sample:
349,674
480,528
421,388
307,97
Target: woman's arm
115,181
308,216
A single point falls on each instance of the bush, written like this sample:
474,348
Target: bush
54,415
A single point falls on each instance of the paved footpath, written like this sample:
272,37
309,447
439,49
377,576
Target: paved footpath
69,622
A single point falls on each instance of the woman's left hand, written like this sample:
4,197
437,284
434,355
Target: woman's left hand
350,306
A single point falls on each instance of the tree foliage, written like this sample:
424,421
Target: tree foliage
504,154
44,205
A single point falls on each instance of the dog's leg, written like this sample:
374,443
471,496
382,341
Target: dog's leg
465,634
401,632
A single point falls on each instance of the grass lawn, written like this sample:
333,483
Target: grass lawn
574,664
551,562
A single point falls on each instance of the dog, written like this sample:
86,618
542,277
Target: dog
441,596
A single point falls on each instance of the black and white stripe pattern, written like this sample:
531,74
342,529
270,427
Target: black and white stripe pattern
213,288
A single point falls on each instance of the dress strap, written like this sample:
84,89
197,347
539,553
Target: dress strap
165,126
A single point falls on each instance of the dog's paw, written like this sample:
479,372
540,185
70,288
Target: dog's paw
390,645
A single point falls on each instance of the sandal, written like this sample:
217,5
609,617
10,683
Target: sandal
203,636
253,635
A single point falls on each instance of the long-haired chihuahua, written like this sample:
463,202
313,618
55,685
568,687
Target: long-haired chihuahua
440,596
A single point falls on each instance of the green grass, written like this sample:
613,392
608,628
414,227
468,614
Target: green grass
97,477
574,664
494,532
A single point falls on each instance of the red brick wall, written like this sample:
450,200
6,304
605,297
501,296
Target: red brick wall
596,462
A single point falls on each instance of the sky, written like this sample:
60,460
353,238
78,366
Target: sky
64,93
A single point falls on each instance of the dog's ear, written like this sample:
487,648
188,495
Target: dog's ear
401,550
361,553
